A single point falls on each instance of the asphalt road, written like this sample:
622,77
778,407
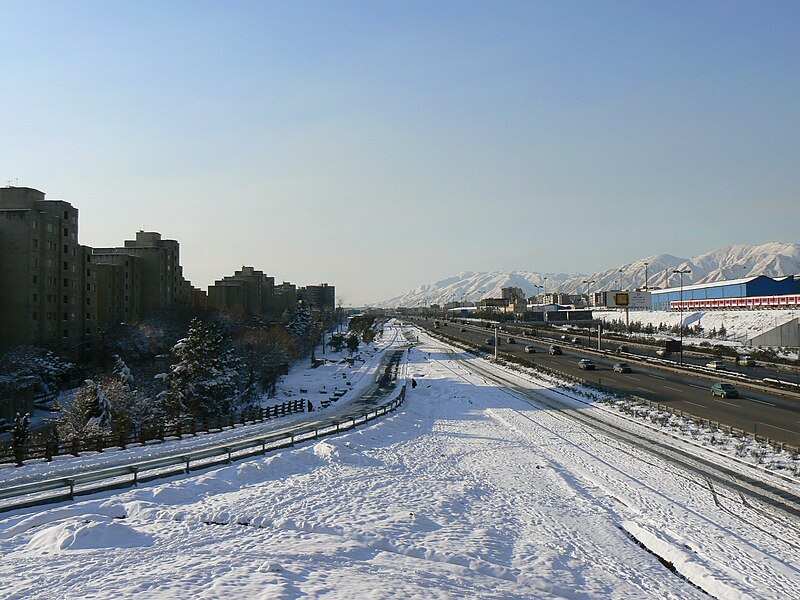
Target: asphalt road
754,411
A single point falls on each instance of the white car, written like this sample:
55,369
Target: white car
717,365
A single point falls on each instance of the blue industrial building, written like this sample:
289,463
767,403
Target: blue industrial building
748,287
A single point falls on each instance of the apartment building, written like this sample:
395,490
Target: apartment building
119,288
161,283
285,297
47,279
319,297
247,292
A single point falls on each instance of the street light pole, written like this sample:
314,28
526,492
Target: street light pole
588,283
681,273
645,275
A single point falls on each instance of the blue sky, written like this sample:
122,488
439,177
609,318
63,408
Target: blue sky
381,145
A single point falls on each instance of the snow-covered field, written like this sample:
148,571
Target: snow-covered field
740,325
468,491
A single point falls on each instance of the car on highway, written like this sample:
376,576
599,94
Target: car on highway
622,367
511,340
463,329
555,350
530,349
576,340
622,348
724,390
662,352
586,364
747,361
717,365
489,341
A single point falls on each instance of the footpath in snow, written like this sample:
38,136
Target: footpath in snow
468,491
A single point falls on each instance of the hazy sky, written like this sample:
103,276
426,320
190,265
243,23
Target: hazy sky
380,145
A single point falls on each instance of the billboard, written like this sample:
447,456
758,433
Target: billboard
628,299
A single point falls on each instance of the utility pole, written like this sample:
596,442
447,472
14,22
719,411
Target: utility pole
681,273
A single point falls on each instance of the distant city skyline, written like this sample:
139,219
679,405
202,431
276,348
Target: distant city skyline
379,146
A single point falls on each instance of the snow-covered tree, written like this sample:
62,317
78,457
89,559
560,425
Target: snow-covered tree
48,370
203,380
121,370
263,351
300,322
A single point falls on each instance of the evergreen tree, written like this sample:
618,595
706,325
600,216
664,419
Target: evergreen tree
121,370
19,437
203,380
300,322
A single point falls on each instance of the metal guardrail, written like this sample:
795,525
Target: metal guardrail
39,493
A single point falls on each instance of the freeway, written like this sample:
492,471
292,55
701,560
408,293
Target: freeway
756,411
696,357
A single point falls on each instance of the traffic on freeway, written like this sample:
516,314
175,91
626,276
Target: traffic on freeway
757,409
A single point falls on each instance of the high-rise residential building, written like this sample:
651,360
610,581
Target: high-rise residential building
285,297
319,297
162,286
47,279
119,288
246,292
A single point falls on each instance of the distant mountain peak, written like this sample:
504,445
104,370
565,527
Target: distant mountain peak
774,259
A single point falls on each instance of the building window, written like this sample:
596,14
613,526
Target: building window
65,333
36,297
66,266
66,215
88,272
88,301
65,317
49,228
66,249
66,299
88,287
35,243
66,282
88,317
35,279
66,231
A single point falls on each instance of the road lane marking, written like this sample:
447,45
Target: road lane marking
657,376
723,402
672,388
694,404
760,401
699,387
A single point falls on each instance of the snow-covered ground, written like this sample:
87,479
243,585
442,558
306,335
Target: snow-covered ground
740,325
314,384
469,491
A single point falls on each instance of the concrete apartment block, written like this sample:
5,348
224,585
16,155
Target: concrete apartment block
47,279
319,297
247,292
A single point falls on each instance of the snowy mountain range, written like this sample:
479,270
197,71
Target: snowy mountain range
774,259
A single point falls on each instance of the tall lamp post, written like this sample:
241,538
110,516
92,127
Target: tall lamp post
681,273
645,275
588,282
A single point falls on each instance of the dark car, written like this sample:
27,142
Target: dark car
511,340
463,329
586,364
490,341
724,390
622,348
555,350
622,367
530,349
